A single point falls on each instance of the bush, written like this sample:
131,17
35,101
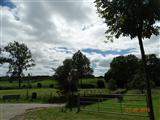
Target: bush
39,85
51,85
100,84
23,86
87,86
34,95
112,84
29,86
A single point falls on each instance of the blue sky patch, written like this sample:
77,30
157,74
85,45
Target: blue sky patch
63,49
105,52
7,3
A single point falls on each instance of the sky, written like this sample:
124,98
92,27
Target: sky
55,29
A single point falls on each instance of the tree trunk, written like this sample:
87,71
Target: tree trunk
19,79
19,76
146,76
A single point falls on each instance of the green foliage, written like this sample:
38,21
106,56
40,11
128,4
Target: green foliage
68,74
153,66
130,18
39,85
100,84
82,64
67,77
51,85
127,71
122,69
112,84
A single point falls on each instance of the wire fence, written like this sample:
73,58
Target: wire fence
116,104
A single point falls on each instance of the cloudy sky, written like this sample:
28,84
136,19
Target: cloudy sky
55,29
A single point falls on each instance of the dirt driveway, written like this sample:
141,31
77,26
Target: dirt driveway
8,111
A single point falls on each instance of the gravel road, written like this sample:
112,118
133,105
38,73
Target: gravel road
9,111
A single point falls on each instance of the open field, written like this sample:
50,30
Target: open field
6,84
94,113
43,94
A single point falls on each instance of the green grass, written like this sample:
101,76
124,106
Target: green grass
113,105
90,81
57,114
45,83
5,84
43,94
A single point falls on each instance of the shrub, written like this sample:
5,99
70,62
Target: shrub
87,86
39,85
23,86
112,84
51,85
100,84
34,95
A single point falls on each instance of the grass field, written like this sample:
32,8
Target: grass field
5,84
43,94
97,111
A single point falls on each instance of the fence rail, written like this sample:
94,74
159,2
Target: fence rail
99,104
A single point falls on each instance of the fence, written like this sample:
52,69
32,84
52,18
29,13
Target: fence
116,104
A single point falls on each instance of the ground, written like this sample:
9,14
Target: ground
9,111
93,113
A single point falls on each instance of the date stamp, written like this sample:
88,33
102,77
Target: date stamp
143,110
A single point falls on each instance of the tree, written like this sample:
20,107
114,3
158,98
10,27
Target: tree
153,66
66,77
134,18
82,64
20,59
122,70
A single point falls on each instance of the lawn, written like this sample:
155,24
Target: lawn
95,111
43,94
5,84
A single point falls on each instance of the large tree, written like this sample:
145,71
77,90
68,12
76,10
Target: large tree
20,59
67,77
122,70
71,71
134,18
82,64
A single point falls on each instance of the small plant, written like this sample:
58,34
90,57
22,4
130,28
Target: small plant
23,86
100,84
51,85
39,85
34,95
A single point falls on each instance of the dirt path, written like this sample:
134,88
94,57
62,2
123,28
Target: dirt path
8,111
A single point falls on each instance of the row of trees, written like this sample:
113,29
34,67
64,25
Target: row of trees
19,58
127,71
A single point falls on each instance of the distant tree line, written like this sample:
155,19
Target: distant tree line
127,72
